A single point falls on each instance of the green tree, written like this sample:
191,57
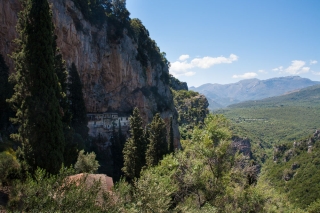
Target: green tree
72,145
120,11
135,148
36,90
6,91
158,145
86,163
43,192
118,141
171,138
78,110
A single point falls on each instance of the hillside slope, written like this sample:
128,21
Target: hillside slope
276,120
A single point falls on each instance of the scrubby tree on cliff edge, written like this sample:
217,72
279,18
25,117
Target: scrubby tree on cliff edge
79,119
135,148
158,145
36,89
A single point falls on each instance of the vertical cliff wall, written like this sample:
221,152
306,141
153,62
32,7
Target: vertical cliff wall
113,79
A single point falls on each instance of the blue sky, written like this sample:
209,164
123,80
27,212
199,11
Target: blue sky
211,41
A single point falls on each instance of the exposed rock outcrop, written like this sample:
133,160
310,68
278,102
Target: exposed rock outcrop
112,77
175,84
242,145
287,152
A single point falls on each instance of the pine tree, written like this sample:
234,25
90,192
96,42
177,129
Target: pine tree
158,146
118,141
171,138
71,147
36,90
135,147
6,91
78,110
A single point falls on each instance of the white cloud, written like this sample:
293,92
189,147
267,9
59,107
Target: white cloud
305,69
183,57
315,73
262,71
296,67
247,75
207,62
313,62
189,73
182,66
178,66
280,69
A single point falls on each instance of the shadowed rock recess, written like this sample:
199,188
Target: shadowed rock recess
112,77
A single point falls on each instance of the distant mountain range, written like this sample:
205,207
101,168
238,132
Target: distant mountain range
306,97
220,96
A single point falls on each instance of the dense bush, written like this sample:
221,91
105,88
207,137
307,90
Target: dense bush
55,193
86,163
9,167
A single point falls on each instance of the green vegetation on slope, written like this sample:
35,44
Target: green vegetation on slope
279,119
294,170
192,109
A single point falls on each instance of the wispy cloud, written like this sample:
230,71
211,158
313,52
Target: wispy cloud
246,75
182,67
315,73
183,57
278,69
313,62
296,67
262,71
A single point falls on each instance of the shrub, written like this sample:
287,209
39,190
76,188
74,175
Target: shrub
9,167
86,163
43,192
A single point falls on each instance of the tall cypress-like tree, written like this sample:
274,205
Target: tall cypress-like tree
36,89
78,110
118,141
72,148
6,91
135,147
171,138
158,145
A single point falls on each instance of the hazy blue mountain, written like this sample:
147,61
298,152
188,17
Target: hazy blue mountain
306,97
251,89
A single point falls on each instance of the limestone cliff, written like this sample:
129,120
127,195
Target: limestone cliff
112,77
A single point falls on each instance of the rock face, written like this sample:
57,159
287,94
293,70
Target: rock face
113,79
242,145
177,85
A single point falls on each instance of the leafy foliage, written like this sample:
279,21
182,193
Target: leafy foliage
56,193
86,163
9,167
192,109
203,177
292,171
158,145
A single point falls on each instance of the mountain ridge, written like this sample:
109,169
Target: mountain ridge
251,89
